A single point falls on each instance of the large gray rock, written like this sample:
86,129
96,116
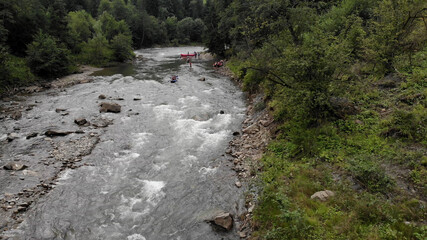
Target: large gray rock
224,220
110,107
323,195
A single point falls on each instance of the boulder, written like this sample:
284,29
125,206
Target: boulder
80,121
102,96
14,166
322,195
110,107
224,220
16,115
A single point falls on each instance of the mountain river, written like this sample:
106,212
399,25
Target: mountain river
158,171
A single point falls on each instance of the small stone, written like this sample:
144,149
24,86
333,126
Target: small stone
58,110
238,184
80,121
221,112
137,99
16,115
242,235
14,166
228,151
12,136
32,135
323,195
102,96
236,134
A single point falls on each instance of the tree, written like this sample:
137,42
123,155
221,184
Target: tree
47,57
80,24
96,51
122,47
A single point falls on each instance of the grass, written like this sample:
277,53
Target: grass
374,161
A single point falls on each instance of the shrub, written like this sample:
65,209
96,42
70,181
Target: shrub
47,57
96,51
122,47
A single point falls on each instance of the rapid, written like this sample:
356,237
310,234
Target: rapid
158,171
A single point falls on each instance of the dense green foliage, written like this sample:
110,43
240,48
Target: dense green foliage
87,31
346,80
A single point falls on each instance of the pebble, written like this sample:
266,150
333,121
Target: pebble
238,184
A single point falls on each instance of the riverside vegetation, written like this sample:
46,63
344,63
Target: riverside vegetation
46,39
344,79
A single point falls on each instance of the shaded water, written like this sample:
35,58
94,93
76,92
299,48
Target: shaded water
159,171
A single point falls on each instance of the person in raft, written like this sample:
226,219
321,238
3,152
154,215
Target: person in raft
174,79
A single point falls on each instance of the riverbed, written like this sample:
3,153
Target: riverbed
156,170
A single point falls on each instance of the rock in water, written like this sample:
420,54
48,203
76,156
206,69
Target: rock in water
110,107
80,121
224,220
32,135
52,133
16,115
323,195
102,96
14,166
12,136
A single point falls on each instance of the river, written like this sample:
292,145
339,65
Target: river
158,171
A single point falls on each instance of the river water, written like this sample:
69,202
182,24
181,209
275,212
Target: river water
159,170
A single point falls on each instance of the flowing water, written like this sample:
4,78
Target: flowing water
159,170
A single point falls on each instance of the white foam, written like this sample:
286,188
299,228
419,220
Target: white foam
166,111
136,237
207,170
159,167
127,157
125,119
65,175
153,191
189,160
141,138
212,140
188,99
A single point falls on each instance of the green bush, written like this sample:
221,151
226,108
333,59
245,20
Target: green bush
96,51
47,57
369,173
14,72
122,47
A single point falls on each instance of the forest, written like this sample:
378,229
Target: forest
46,39
346,81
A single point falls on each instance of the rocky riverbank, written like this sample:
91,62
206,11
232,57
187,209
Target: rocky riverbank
247,149
31,172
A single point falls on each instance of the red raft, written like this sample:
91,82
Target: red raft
187,55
